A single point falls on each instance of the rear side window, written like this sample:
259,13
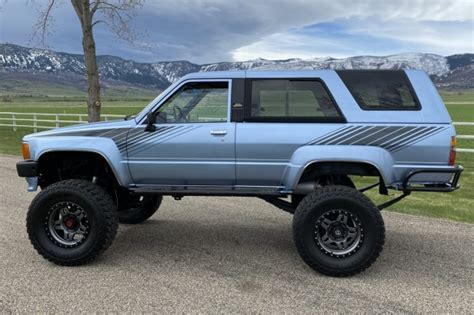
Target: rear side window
290,100
380,90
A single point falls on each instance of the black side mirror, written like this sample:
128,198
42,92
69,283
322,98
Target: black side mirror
150,122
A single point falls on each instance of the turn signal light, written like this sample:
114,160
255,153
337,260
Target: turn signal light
25,151
452,152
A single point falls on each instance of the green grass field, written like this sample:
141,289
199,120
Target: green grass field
458,205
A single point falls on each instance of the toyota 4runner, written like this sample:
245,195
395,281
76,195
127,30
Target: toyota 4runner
291,138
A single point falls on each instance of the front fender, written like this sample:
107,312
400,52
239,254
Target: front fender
103,146
306,155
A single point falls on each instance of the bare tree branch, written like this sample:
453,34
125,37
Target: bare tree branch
117,14
99,21
43,24
95,6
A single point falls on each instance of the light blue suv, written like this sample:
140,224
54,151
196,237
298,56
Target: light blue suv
292,138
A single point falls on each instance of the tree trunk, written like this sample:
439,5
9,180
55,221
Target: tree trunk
83,11
93,100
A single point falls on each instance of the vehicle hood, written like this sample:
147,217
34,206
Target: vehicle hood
89,129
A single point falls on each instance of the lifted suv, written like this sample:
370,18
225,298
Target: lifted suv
292,138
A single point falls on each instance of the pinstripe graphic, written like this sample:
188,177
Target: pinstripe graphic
413,141
134,140
371,137
341,135
144,139
335,133
357,136
420,131
139,140
396,134
391,138
140,135
145,144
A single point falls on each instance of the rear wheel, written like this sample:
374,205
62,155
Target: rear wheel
138,208
338,231
326,180
71,222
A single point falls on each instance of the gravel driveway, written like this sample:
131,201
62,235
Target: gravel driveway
231,255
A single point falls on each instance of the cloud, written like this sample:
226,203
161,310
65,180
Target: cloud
220,30
373,36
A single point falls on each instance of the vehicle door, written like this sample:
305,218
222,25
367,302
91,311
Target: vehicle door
193,143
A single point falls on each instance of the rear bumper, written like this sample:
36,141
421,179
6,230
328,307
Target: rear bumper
27,168
407,186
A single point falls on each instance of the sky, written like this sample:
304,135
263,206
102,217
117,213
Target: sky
207,31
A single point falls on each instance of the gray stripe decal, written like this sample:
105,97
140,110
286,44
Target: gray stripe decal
416,133
149,137
386,137
150,140
391,138
366,132
140,134
163,139
341,137
371,137
413,141
333,133
401,134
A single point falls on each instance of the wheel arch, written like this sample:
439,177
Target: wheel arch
47,156
348,159
318,168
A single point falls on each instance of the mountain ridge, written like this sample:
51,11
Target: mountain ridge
455,71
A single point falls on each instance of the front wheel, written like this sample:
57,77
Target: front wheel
338,231
138,209
71,222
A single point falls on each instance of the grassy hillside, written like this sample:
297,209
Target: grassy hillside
38,87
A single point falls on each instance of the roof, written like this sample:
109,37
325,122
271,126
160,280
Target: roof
266,74
257,74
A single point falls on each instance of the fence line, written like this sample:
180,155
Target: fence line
45,120
463,123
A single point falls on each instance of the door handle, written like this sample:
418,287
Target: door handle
218,132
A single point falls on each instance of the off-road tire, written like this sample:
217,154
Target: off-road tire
101,214
136,215
342,198
343,180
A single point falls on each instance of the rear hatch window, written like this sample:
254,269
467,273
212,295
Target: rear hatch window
380,89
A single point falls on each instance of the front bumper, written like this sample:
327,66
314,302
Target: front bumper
449,186
27,168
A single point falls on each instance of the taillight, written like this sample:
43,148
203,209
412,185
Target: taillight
452,151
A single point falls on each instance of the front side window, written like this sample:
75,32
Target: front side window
196,102
380,90
290,100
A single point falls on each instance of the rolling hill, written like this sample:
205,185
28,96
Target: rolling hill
22,67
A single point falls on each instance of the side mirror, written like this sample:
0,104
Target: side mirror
150,123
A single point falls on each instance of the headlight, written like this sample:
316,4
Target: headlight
25,151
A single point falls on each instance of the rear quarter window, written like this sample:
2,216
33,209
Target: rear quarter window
380,89
294,100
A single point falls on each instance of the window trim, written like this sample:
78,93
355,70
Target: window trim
178,88
294,119
374,108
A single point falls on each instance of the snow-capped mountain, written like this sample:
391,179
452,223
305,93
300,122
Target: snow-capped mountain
451,71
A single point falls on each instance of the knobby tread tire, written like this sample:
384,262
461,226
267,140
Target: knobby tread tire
144,213
102,205
311,203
